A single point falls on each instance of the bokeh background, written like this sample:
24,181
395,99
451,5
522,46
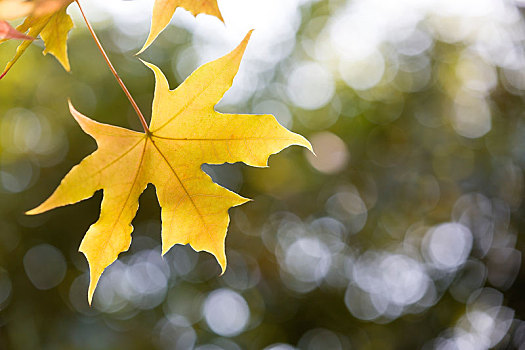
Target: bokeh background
405,232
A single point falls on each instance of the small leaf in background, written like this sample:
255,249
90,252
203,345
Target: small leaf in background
163,11
52,26
8,32
185,132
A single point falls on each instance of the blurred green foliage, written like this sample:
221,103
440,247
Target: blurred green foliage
404,232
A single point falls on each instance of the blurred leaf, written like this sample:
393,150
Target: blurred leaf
53,27
8,32
186,132
163,10
13,9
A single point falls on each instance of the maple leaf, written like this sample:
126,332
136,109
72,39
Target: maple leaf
50,20
163,11
185,132
8,32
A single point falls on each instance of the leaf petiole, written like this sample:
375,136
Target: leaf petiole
108,62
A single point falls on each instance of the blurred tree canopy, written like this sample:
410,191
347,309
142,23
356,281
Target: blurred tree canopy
404,232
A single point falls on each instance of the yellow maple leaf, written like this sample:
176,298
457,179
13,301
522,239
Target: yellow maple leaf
163,11
53,27
185,132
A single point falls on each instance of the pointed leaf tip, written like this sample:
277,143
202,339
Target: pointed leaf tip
221,259
93,282
306,144
86,124
33,211
150,65
91,292
247,38
79,117
163,11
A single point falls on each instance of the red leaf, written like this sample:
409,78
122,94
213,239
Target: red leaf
8,32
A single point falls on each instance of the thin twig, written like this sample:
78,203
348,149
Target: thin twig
121,83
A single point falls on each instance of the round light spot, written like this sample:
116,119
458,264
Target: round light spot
404,280
308,260
359,303
226,312
45,266
16,177
448,245
310,86
476,74
148,284
331,153
281,346
176,333
363,73
320,339
471,117
349,208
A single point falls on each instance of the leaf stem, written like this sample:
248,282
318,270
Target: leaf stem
108,62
